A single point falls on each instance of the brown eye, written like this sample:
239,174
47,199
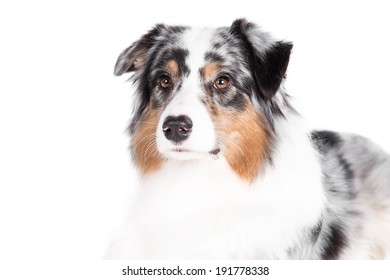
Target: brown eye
221,83
165,82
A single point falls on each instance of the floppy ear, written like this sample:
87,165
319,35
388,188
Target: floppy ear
268,60
134,57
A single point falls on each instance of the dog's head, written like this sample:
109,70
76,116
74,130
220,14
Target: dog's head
206,93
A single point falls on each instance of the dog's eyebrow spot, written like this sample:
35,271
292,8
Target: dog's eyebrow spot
210,70
173,67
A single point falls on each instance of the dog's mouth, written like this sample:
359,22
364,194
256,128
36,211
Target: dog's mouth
180,150
185,150
185,153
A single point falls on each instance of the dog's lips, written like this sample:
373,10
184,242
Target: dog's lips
185,153
180,150
214,151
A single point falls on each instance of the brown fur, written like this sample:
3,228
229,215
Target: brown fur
173,67
244,139
146,156
210,70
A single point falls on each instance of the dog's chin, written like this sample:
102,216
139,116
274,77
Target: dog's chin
187,154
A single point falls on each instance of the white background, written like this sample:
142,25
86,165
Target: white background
65,169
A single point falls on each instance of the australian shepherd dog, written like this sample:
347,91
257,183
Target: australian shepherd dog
227,167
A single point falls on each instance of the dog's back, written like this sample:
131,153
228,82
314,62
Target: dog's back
357,182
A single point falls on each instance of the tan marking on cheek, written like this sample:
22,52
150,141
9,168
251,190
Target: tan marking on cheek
245,140
210,70
173,67
147,157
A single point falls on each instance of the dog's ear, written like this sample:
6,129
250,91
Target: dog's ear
135,56
267,59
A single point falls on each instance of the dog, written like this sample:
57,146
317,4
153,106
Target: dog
229,170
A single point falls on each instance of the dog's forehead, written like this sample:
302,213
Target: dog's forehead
187,51
198,42
195,50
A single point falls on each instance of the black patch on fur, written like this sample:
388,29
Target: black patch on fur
274,66
269,68
335,242
346,167
325,140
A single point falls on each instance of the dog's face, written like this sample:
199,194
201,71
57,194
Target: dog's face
205,93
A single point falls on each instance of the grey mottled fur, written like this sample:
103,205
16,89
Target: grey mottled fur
356,223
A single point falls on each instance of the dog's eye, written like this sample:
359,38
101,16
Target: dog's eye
222,83
165,82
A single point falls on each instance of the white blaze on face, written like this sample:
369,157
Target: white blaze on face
187,102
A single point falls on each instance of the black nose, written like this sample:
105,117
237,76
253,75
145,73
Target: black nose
177,128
